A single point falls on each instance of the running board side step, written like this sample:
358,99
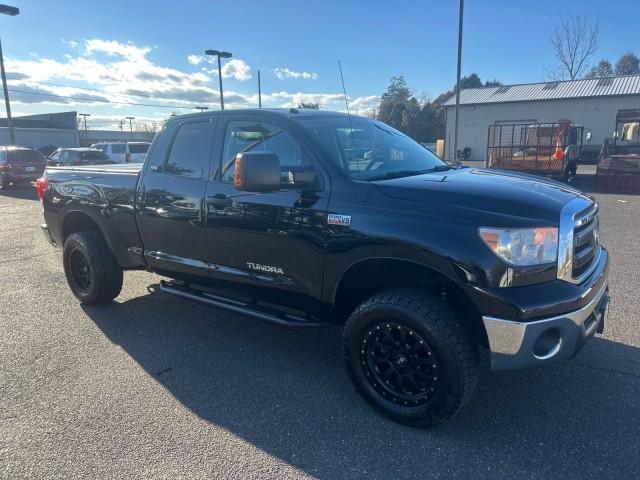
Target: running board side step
282,319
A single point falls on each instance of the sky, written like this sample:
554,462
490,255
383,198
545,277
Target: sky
150,53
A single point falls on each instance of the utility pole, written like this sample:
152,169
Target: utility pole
219,54
130,125
259,91
85,115
121,124
12,11
202,108
457,122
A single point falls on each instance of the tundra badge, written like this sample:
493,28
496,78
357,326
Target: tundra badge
265,268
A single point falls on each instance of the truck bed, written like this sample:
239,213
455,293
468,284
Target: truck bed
124,168
103,193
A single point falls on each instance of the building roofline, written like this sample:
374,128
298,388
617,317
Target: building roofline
555,99
624,85
550,81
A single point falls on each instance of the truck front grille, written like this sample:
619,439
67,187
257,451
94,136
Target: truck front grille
585,243
578,245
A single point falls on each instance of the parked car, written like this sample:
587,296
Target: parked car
305,218
124,152
20,165
78,156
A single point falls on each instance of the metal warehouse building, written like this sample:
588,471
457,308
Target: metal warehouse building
591,103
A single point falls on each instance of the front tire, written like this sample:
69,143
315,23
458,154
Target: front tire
411,357
91,270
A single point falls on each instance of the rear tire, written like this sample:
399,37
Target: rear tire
91,269
569,172
411,357
4,182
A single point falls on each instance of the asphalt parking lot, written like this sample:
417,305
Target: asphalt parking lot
154,386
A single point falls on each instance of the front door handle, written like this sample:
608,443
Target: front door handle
219,201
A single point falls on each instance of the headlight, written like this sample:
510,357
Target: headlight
522,247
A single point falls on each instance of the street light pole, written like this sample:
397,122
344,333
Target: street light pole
12,11
457,121
220,81
130,125
259,91
12,136
85,115
219,54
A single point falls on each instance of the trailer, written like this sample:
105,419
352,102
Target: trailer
546,149
619,160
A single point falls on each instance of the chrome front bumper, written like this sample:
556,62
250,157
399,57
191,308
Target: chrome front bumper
526,344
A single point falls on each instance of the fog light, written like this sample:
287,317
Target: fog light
547,344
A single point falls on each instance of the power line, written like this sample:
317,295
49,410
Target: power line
82,88
115,102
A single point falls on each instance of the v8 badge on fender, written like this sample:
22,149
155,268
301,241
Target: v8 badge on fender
335,219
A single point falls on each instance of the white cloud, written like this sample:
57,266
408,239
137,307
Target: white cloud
113,48
283,72
195,59
122,72
364,105
237,69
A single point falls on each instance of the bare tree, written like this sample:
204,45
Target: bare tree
574,42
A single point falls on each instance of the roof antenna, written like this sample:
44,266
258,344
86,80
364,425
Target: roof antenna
346,102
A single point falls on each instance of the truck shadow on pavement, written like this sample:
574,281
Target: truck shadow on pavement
286,392
20,192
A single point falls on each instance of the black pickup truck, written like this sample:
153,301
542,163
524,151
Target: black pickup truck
307,218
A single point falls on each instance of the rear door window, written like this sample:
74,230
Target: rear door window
188,155
118,148
138,148
74,158
92,157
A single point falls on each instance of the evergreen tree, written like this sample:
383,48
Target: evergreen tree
602,69
628,64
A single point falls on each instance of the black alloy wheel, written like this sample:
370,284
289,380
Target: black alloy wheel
400,365
80,270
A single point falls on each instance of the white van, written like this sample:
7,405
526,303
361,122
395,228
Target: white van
124,152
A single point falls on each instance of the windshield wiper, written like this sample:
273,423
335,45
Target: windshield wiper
440,168
407,173
396,174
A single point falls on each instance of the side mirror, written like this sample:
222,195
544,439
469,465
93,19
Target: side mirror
257,172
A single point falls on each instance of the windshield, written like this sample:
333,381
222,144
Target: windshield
370,150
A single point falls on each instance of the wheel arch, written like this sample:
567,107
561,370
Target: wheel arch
78,221
365,277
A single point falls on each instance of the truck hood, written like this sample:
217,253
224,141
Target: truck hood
489,191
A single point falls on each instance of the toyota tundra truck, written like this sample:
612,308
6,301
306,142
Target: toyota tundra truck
308,218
